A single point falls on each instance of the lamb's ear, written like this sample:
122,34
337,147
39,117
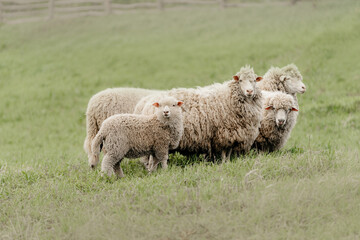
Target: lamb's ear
258,79
236,78
283,78
156,104
269,108
180,103
294,109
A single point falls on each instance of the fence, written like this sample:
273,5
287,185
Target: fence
15,11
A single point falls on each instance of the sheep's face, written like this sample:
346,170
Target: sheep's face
293,85
168,108
247,83
281,106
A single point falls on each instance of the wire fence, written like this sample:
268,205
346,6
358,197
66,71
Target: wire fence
17,11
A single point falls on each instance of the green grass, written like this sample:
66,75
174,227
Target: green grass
49,70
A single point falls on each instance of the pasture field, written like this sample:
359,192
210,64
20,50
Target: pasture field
49,70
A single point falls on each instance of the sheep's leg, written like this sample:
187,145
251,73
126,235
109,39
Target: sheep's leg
164,164
223,156
228,157
159,157
205,157
107,165
118,170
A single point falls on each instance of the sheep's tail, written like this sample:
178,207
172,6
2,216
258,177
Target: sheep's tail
91,131
95,146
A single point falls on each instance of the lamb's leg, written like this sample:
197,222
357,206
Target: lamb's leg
107,165
146,161
91,131
154,165
159,157
118,170
150,163
153,162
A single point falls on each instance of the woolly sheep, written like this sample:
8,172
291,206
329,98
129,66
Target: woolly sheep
107,103
133,136
279,118
217,117
287,79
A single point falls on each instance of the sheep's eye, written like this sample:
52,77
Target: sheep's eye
174,105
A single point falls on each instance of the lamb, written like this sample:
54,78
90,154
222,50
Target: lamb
217,117
133,136
107,103
279,118
287,79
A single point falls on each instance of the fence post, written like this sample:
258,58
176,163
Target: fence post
51,9
222,3
1,12
107,5
160,5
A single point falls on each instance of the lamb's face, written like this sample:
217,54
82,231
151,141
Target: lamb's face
247,83
168,108
293,85
281,106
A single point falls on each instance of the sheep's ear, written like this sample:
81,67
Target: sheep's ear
269,108
283,78
180,103
156,104
294,109
236,78
258,79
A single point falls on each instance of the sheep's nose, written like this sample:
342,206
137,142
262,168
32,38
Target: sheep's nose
166,112
249,91
281,121
303,89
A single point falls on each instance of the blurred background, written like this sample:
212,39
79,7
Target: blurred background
52,65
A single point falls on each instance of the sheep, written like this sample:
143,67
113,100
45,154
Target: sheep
133,136
107,103
287,79
217,117
279,118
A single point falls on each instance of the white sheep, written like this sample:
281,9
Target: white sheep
218,117
133,136
287,79
107,103
279,118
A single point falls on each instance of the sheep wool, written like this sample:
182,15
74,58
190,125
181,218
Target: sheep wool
218,117
287,79
133,136
107,103
279,118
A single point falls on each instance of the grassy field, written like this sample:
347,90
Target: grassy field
49,70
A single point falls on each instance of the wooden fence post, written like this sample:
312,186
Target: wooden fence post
107,5
222,4
160,5
51,9
1,12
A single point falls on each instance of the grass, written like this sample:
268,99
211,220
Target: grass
49,70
